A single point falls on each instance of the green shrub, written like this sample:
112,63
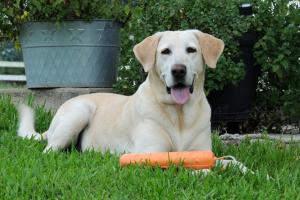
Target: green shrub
15,12
278,54
277,51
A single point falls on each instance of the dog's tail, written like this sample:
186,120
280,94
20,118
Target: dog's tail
26,123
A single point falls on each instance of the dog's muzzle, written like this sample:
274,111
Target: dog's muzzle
180,92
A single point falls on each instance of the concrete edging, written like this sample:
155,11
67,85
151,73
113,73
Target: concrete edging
51,98
238,138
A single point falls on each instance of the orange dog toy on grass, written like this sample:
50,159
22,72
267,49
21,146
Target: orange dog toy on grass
196,160
192,159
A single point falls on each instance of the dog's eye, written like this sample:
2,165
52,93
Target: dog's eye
190,50
166,51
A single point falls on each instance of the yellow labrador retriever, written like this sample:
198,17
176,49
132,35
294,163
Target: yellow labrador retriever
169,111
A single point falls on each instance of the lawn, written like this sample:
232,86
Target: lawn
10,85
27,173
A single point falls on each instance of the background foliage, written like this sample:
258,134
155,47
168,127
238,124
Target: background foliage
277,51
278,54
15,12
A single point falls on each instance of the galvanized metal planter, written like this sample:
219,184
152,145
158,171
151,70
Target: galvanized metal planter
70,53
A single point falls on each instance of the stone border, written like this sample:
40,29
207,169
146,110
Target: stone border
237,138
51,98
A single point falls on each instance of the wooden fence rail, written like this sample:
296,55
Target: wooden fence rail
12,77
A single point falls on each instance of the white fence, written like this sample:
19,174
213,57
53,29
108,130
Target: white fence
11,77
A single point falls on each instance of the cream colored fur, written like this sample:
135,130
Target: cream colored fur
149,120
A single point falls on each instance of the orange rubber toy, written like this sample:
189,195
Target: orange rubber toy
188,159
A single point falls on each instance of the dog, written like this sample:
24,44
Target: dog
168,112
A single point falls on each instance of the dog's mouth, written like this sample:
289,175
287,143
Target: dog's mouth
180,92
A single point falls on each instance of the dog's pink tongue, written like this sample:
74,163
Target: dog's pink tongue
180,95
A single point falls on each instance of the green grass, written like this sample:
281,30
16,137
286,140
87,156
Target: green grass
4,85
27,173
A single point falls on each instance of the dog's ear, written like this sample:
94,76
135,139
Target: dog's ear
211,48
145,51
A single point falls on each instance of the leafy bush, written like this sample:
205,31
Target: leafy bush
278,54
9,53
277,51
15,12
214,17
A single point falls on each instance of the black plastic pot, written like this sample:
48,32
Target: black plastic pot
234,103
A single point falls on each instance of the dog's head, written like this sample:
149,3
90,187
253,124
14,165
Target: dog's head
177,57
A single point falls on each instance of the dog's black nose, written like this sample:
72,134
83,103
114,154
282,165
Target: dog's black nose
178,71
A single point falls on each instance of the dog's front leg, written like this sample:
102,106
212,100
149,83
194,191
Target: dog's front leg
148,136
